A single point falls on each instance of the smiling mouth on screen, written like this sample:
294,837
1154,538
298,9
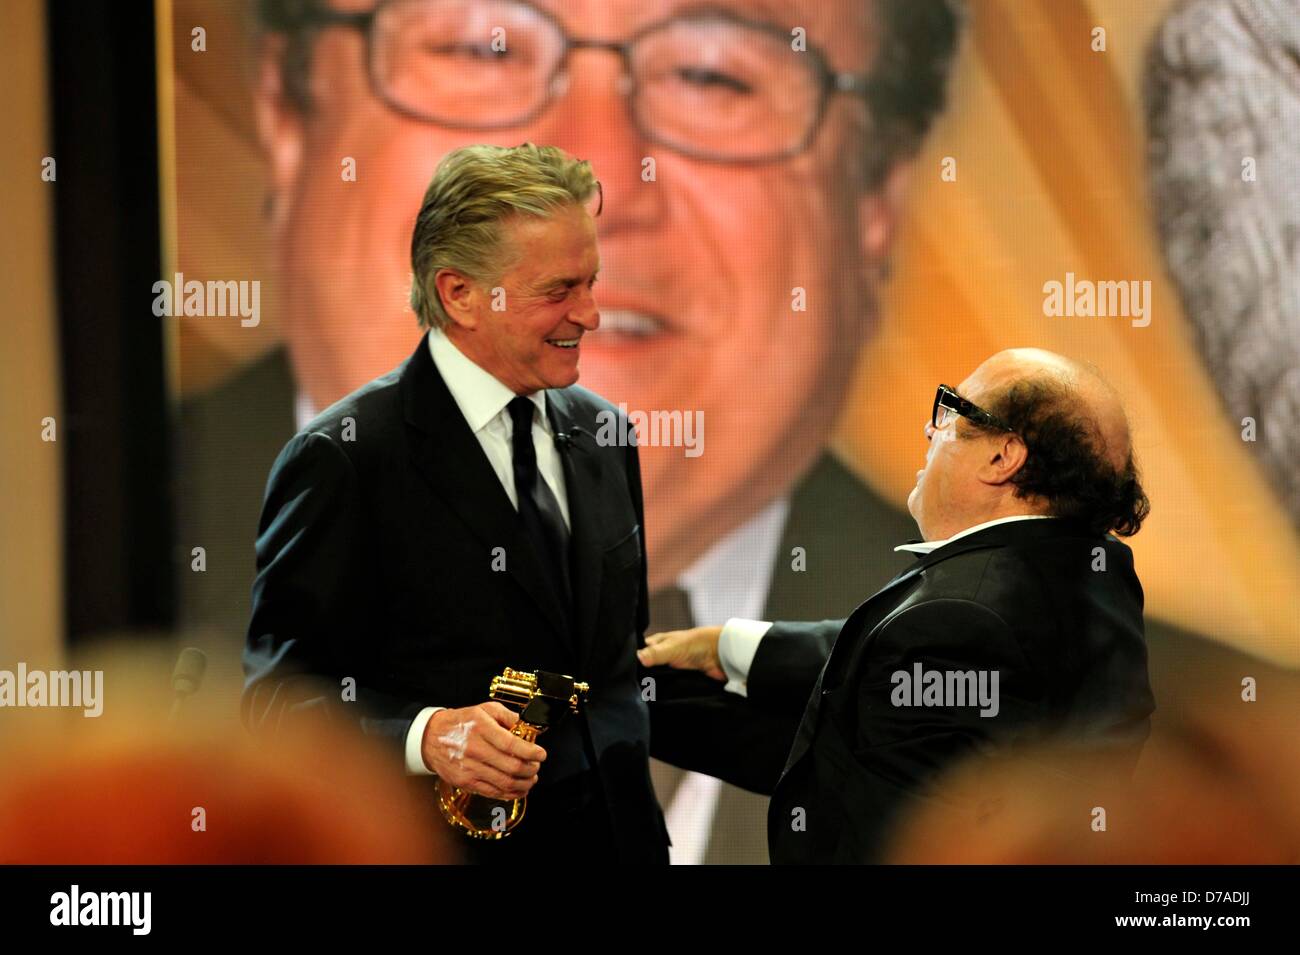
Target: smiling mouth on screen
625,324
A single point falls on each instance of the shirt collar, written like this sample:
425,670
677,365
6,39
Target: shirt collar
478,393
926,547
732,578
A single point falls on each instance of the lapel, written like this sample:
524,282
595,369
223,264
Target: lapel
872,611
449,456
583,484
876,605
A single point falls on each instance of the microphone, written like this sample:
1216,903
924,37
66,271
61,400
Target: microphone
565,440
187,676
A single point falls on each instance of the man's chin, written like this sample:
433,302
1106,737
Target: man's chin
559,373
563,380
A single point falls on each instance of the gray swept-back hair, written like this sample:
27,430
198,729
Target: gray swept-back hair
474,190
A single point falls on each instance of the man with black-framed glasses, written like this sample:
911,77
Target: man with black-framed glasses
1020,621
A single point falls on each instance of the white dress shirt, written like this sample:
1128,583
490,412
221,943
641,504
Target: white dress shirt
482,399
740,637
731,578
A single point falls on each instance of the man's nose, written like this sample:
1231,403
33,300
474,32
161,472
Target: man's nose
929,430
592,120
586,314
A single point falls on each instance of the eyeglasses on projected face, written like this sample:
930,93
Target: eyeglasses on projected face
708,84
948,406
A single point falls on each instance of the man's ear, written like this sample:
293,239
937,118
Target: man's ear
279,128
1007,454
879,210
458,295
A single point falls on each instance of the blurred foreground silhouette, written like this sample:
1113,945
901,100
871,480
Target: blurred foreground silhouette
131,787
1219,786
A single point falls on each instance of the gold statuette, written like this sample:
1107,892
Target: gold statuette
542,699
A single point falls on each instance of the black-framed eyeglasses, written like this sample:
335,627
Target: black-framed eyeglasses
708,83
948,405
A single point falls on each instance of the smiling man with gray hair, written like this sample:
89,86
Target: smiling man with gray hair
456,517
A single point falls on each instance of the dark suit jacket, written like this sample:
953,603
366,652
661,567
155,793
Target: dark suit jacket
1021,599
376,559
228,437
845,533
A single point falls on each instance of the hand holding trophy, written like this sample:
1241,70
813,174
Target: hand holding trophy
472,747
485,756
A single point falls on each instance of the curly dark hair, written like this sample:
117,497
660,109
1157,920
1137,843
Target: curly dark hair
1065,466
908,88
910,76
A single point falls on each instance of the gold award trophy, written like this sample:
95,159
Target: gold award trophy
543,699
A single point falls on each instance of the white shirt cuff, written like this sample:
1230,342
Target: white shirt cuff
736,648
415,765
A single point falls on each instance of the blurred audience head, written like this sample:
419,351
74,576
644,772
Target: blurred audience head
133,787
1220,785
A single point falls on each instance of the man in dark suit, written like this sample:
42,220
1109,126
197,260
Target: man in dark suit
804,497
457,516
1021,620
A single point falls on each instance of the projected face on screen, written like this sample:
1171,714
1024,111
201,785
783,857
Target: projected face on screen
740,233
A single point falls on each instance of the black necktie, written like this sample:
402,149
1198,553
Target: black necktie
537,505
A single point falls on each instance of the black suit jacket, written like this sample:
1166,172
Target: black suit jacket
1022,599
378,558
228,437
